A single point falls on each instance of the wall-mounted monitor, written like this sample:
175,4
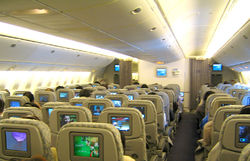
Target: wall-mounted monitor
43,98
78,104
96,109
122,123
86,146
49,111
16,142
243,135
77,94
117,67
161,72
217,67
130,97
63,95
117,103
15,103
64,118
99,96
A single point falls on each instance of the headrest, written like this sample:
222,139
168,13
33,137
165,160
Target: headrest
99,94
65,94
170,94
45,96
4,95
78,101
140,91
96,106
21,112
234,134
113,86
245,153
32,133
114,91
74,133
245,99
100,88
16,101
130,87
65,114
211,98
157,101
19,93
221,101
222,113
117,98
128,120
164,97
146,107
131,94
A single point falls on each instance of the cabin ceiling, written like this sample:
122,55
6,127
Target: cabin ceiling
183,28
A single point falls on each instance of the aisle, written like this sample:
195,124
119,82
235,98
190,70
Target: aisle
185,139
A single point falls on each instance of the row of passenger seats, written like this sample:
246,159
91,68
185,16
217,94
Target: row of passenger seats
230,132
143,122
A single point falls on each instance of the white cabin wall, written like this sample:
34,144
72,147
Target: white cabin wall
31,80
147,75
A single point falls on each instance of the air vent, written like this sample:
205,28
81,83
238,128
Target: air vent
245,37
136,11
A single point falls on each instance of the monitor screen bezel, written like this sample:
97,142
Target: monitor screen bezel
102,95
237,139
157,72
116,99
127,133
64,98
65,113
145,110
100,141
43,95
14,101
217,70
15,153
117,67
95,104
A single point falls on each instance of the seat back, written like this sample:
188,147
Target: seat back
154,87
62,115
21,112
165,99
130,87
77,93
245,99
176,89
130,121
4,95
19,93
96,106
220,115
220,102
48,107
119,100
44,96
65,94
149,114
100,88
210,99
240,92
140,91
90,142
157,101
99,94
23,138
114,91
131,94
16,101
78,101
234,135
245,154
113,86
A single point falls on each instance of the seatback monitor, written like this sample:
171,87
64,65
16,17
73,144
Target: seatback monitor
15,103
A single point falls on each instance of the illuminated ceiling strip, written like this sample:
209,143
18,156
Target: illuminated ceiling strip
236,15
31,35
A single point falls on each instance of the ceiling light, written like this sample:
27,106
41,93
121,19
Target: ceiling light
160,62
152,29
13,31
235,16
136,11
39,11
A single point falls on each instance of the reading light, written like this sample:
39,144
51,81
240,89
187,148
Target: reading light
235,16
31,35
